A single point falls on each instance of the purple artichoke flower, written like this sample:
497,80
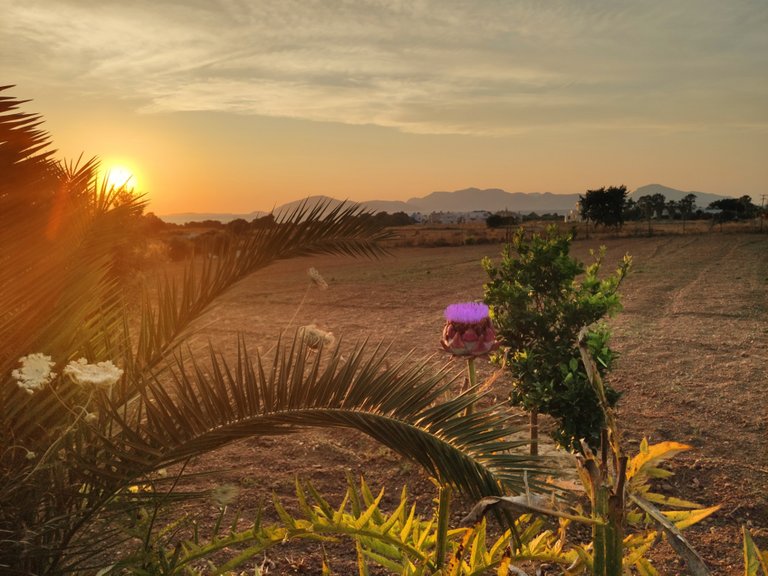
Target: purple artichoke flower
468,330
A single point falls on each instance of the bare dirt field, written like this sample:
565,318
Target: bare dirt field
693,339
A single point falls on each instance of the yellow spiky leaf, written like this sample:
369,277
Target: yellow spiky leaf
684,518
670,501
650,455
506,560
644,568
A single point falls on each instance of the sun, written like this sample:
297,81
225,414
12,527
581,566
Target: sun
119,176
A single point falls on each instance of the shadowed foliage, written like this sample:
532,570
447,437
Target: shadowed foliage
68,451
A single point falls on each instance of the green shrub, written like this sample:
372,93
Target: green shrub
540,297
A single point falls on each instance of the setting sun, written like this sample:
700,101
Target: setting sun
118,176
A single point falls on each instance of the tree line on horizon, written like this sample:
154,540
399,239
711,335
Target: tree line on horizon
610,207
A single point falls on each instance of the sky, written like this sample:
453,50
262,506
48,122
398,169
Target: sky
238,106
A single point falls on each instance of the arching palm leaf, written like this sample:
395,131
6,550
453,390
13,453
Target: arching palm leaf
304,231
402,407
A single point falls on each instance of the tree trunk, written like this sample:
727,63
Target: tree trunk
534,432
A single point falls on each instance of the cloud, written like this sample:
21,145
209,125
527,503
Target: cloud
427,66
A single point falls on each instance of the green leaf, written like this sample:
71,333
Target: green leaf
753,557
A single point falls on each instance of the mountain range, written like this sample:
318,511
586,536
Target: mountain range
467,200
703,199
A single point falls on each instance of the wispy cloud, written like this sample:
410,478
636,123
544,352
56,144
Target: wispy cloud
430,66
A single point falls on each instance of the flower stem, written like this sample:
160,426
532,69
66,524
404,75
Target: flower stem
472,377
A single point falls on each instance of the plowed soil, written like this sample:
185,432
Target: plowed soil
693,339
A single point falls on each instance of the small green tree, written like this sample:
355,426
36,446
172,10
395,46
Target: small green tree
604,206
735,208
539,306
687,204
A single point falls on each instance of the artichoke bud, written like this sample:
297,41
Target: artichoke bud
468,330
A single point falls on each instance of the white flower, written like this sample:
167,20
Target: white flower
314,337
317,279
224,495
35,372
101,375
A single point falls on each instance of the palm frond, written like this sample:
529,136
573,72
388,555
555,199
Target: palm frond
305,231
397,406
58,292
66,451
26,168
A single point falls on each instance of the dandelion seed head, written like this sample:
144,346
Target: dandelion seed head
35,372
224,495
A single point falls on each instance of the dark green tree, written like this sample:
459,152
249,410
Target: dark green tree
540,297
673,209
687,205
735,208
656,202
267,221
631,210
501,220
238,226
604,206
650,206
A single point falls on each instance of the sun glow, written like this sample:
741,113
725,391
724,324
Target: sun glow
119,176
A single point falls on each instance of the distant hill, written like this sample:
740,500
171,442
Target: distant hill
284,209
389,206
703,199
466,200
184,217
309,204
493,200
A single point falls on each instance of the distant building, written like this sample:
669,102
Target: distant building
453,217
574,214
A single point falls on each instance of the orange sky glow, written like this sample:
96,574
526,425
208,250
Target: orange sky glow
219,108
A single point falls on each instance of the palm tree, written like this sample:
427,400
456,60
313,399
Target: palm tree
71,444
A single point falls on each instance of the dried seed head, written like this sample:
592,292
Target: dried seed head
315,338
224,495
317,278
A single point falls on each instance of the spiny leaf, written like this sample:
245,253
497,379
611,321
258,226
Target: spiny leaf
644,568
670,501
649,456
684,518
372,509
674,537
754,558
